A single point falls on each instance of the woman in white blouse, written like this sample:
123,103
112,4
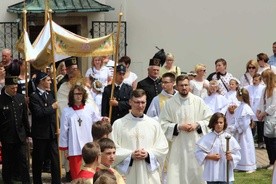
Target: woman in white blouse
98,71
130,78
251,69
199,84
267,111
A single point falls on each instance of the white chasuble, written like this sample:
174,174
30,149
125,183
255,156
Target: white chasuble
182,166
130,133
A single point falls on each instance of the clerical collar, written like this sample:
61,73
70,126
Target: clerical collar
137,116
78,107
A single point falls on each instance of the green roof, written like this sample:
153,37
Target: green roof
60,6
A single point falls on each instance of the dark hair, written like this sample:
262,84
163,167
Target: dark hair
221,60
99,129
138,93
274,43
71,100
170,75
125,59
14,68
244,94
106,143
181,78
214,120
257,75
104,176
263,56
90,152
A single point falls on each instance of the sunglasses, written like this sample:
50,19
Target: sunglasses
251,67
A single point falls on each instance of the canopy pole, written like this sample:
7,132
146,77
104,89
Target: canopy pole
55,82
116,61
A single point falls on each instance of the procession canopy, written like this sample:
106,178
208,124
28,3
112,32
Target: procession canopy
65,43
60,6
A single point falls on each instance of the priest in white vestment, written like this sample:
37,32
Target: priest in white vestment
184,119
141,145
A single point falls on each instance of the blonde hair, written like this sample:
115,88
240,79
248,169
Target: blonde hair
213,83
199,67
252,62
60,66
169,55
269,79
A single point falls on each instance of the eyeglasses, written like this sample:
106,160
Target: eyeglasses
79,94
251,67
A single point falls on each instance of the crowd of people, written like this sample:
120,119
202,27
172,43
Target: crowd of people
170,127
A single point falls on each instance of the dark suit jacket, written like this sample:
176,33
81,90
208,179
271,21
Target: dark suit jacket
43,116
151,87
14,124
122,96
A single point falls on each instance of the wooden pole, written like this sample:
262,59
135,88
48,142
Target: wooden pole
116,61
24,13
55,82
46,2
227,163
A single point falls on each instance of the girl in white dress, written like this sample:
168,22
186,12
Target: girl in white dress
211,152
231,96
199,85
215,101
242,132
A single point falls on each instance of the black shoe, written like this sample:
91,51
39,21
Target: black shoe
68,177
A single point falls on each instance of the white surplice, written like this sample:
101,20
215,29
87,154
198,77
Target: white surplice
74,135
215,143
182,166
243,134
130,133
217,103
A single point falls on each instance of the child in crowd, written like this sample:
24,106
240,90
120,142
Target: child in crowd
215,101
242,132
104,176
231,96
91,155
108,150
255,93
211,152
101,130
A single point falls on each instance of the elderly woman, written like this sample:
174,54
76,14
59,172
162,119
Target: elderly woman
98,71
169,67
251,69
199,85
